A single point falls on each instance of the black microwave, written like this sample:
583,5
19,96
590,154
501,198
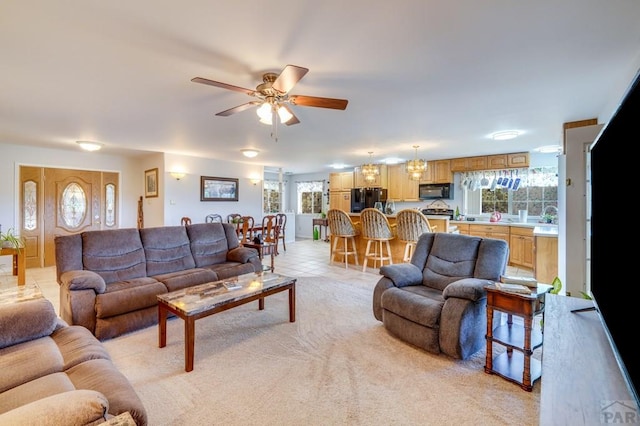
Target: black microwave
434,191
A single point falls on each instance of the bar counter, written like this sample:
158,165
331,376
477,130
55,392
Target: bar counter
397,247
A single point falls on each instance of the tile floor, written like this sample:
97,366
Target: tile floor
304,257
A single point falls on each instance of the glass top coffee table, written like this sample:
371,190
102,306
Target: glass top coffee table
207,299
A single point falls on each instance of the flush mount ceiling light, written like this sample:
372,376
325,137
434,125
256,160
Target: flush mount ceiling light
89,146
505,135
370,171
416,167
549,149
249,153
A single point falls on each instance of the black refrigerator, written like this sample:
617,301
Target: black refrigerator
362,198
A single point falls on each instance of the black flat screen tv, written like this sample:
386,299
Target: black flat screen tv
613,282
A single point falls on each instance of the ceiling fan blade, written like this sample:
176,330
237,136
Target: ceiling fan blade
238,108
223,85
313,101
293,120
288,78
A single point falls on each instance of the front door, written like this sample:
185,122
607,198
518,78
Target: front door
63,202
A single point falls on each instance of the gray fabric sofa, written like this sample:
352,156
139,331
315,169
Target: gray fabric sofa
109,279
56,374
437,301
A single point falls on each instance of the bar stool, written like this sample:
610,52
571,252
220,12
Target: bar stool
342,227
411,224
378,232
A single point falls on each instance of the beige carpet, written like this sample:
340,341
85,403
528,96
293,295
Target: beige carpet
336,365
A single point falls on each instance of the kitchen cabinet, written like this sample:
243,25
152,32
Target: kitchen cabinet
340,181
490,162
521,252
381,180
340,200
546,259
438,171
518,160
497,161
490,231
463,228
400,186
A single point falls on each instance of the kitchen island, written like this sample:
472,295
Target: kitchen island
397,247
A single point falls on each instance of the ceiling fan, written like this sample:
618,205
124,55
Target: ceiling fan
274,98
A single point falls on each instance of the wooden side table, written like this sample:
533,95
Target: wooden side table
19,261
322,223
516,366
264,249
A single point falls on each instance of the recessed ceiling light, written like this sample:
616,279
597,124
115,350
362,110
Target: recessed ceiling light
250,153
505,135
89,146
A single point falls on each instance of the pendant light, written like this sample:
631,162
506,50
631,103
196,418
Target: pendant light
416,167
370,171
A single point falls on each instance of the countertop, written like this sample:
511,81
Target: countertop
539,229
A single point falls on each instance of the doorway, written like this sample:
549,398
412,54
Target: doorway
63,202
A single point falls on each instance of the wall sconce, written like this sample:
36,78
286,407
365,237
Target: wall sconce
177,175
255,181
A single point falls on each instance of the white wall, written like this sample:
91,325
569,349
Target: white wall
182,197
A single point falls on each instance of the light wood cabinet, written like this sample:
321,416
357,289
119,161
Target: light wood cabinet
490,231
518,160
463,228
438,171
340,200
497,161
340,181
546,259
400,187
490,162
381,180
521,251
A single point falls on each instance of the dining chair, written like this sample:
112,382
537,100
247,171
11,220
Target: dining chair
210,218
282,223
411,223
343,228
185,221
377,231
232,217
270,230
245,229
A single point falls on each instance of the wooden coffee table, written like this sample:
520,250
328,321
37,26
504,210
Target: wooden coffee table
207,299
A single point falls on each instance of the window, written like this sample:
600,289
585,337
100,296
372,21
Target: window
271,197
309,196
537,193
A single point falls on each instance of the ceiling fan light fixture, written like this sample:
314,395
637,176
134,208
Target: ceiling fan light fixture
264,112
284,114
416,167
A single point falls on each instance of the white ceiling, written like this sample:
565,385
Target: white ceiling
441,75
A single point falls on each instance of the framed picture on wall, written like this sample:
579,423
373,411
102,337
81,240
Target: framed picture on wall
218,189
151,183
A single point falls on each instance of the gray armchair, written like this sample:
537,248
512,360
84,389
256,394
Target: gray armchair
437,301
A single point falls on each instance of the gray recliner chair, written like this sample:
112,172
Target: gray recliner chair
437,301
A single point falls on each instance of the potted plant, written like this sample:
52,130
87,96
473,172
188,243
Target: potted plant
10,240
